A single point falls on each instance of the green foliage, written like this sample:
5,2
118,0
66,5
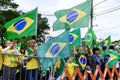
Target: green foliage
7,12
42,29
6,16
8,4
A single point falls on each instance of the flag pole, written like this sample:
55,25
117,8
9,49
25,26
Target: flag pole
91,19
74,50
36,36
74,47
51,73
36,24
91,14
68,29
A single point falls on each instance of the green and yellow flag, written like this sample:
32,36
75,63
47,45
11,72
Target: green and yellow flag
24,25
105,42
82,61
75,38
77,16
19,47
111,58
89,37
53,50
59,65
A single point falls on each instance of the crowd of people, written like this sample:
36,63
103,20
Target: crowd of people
12,58
28,62
91,60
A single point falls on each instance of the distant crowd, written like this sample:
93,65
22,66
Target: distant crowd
24,64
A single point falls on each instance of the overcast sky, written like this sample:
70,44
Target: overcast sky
105,25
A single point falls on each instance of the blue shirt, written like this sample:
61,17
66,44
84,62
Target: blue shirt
97,59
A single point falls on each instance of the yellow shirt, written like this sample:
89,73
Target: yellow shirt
33,63
1,59
70,67
9,59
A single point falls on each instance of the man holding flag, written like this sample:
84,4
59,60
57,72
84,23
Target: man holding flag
32,62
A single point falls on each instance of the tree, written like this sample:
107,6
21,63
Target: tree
4,17
8,4
42,29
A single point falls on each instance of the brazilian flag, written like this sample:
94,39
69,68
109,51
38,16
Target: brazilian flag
111,58
53,50
59,65
24,25
75,38
90,37
82,61
19,46
77,16
105,42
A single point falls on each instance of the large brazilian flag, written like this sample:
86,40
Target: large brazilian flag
53,50
24,25
77,16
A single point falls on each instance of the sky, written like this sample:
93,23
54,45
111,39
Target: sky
103,25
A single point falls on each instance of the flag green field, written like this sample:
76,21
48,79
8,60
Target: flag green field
24,25
77,16
75,38
53,50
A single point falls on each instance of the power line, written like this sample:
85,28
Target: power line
47,14
97,14
112,8
108,28
106,6
107,11
99,3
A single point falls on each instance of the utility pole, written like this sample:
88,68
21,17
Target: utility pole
91,14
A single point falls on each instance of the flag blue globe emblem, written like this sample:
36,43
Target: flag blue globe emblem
83,60
71,38
19,25
107,58
88,37
102,44
72,16
54,49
